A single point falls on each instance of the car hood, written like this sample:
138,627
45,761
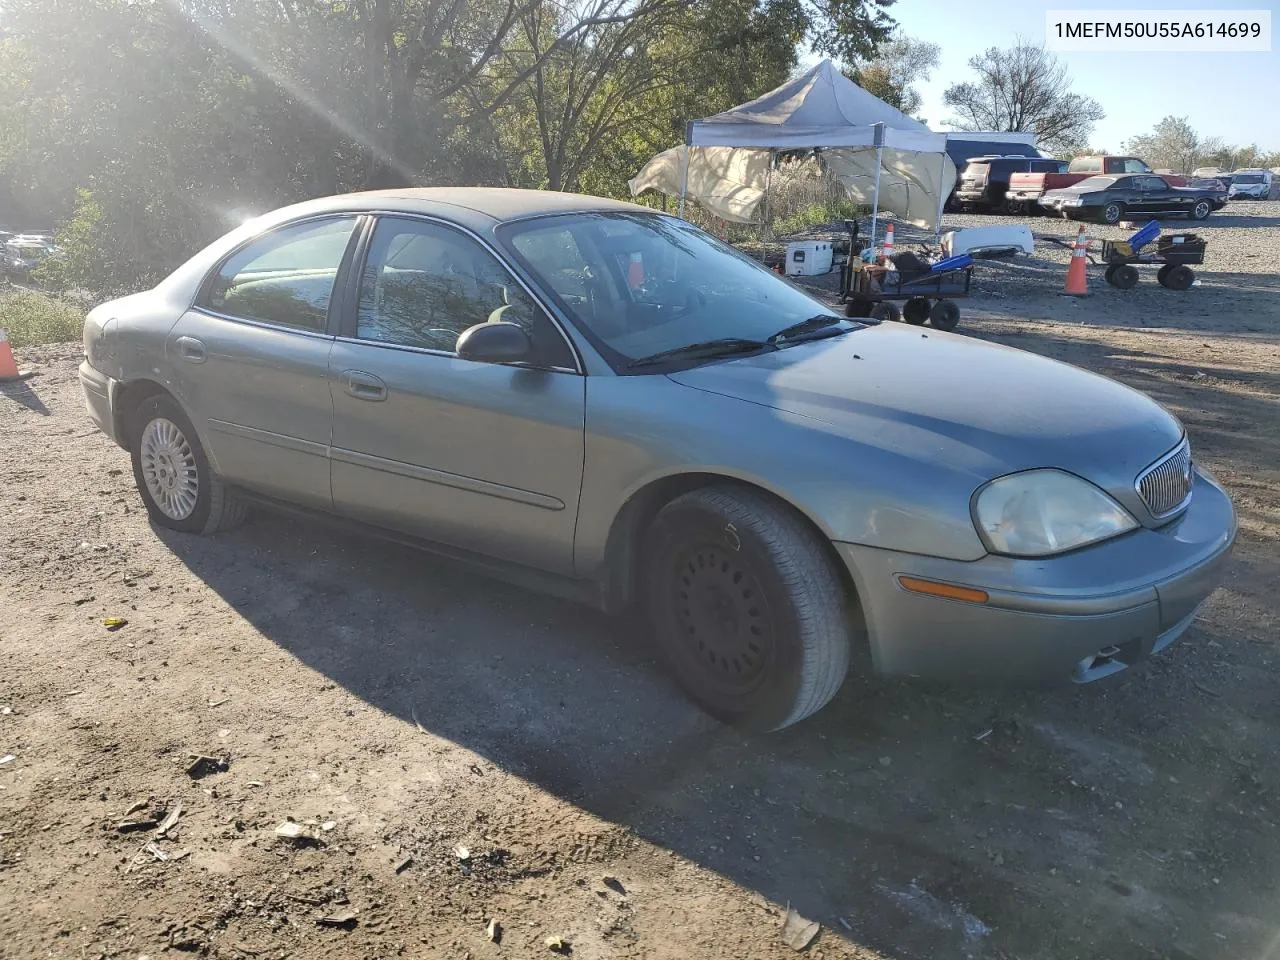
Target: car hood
949,401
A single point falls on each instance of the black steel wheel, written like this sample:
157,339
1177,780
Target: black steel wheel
1113,212
1180,277
746,607
858,307
886,311
1162,275
945,315
916,310
1122,276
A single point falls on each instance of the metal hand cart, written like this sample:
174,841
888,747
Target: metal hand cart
1174,253
868,290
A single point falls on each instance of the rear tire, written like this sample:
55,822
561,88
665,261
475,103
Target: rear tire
916,311
945,315
884,311
746,607
1201,210
172,473
1180,277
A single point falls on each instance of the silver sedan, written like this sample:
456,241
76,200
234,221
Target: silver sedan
601,400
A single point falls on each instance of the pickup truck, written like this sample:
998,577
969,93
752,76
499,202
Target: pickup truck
1027,188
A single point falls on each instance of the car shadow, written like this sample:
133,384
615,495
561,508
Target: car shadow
889,816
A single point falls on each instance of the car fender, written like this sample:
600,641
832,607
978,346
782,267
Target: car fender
648,432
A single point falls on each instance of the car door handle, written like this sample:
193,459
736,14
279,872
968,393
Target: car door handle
364,386
190,349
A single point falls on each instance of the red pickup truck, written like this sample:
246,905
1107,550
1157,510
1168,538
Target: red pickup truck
1027,188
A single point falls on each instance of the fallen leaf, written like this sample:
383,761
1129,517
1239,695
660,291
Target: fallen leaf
346,919
557,944
494,931
114,623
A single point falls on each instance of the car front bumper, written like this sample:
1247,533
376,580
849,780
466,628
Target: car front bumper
99,399
1078,616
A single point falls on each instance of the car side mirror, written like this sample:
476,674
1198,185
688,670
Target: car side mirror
496,342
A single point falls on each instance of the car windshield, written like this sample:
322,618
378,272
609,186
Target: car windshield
1248,178
1095,183
644,284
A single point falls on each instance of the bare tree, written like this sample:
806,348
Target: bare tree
1024,88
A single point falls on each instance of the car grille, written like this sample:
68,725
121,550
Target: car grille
1166,487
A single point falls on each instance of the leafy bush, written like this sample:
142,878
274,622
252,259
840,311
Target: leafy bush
816,214
33,318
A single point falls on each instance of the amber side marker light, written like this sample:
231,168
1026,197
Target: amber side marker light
945,590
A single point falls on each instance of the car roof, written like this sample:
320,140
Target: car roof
476,206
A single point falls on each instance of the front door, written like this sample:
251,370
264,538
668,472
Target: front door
486,457
250,360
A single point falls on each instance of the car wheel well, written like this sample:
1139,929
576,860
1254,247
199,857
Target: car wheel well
128,400
626,536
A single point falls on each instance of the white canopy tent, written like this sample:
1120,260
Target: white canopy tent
882,156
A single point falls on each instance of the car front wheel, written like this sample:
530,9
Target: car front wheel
1112,213
746,607
172,472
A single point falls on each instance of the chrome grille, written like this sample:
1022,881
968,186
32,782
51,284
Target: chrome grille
1166,486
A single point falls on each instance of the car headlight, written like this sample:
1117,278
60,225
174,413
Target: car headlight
1043,512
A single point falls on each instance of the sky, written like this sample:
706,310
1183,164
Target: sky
1229,95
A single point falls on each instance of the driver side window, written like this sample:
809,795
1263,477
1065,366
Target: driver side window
423,284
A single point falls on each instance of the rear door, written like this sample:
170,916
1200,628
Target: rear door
482,456
250,359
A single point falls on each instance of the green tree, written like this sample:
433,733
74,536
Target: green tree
892,73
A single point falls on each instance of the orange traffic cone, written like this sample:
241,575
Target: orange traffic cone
1077,281
635,271
886,250
8,369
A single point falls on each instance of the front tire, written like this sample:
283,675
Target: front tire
746,607
172,473
1113,213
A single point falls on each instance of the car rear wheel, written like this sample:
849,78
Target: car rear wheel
746,607
1201,210
172,472
1113,213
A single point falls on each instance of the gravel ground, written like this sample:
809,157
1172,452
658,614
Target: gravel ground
399,709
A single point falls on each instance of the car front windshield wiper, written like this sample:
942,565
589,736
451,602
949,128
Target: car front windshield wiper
822,321
704,349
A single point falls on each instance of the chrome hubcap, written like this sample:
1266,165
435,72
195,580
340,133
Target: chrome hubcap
169,469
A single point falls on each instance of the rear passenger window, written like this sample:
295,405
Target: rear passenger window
285,277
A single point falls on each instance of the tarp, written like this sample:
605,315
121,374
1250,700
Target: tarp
728,154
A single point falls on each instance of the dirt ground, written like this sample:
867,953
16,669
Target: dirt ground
399,710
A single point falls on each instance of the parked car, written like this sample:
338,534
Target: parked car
601,399
1250,185
1028,188
22,254
1214,186
964,146
1111,199
985,180
1207,172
